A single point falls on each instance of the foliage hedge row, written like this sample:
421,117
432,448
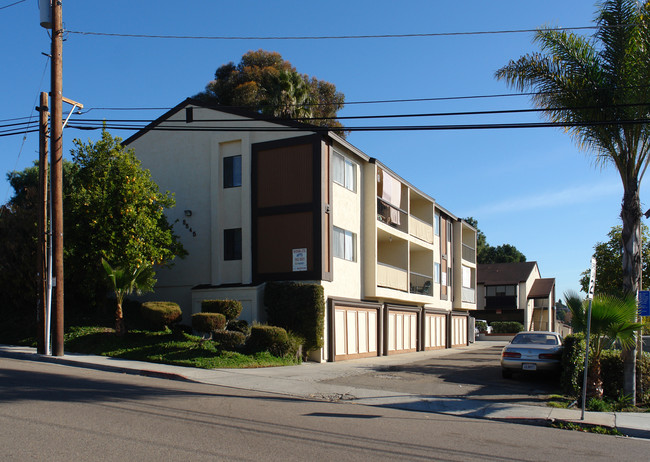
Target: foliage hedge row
506,327
573,364
273,339
229,339
298,308
160,314
208,322
481,326
231,309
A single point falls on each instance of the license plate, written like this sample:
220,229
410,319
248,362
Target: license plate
529,367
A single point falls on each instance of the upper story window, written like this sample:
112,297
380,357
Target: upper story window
436,273
231,171
232,244
500,291
345,244
436,224
344,172
449,231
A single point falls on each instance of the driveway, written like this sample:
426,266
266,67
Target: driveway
472,373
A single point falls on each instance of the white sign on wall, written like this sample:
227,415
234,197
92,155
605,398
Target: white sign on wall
300,259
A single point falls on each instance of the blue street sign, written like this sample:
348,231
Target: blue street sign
644,303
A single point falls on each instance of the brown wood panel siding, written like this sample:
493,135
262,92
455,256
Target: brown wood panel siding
327,218
443,260
278,235
285,176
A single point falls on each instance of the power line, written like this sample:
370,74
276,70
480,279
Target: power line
325,37
12,4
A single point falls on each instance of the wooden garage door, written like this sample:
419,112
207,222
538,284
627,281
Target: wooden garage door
435,331
355,332
402,332
458,330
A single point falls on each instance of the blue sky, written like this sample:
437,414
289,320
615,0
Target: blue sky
532,188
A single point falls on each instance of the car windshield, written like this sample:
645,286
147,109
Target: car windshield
538,339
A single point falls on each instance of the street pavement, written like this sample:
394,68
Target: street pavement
341,381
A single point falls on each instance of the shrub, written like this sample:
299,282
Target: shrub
273,339
239,325
573,364
157,315
229,339
231,309
611,370
208,322
506,327
481,326
299,308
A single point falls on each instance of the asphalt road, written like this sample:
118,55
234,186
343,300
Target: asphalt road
471,373
54,412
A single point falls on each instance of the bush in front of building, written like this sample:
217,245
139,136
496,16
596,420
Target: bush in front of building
482,326
273,339
230,340
573,364
506,327
298,308
157,315
231,309
208,323
239,325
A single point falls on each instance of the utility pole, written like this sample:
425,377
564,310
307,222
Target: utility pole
42,314
56,134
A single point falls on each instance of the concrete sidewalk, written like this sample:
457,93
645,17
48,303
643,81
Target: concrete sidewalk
305,381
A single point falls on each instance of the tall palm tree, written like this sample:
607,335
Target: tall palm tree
124,282
612,319
599,89
287,96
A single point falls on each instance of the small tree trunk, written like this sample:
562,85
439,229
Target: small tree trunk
120,327
594,380
631,236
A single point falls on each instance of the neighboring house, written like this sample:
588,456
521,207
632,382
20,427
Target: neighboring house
262,200
516,292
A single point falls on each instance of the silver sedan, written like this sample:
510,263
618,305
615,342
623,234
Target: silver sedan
532,351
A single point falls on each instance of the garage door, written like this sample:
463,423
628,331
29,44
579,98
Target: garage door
435,331
402,332
355,332
458,330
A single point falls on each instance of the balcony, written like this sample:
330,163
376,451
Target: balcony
504,302
469,253
421,229
468,295
391,216
421,284
392,277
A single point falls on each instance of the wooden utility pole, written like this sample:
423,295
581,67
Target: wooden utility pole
42,336
56,134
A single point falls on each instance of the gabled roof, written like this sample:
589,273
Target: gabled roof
542,288
491,274
242,112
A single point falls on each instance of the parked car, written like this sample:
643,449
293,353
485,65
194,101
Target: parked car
532,351
476,329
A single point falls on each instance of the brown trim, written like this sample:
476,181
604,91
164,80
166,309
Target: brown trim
332,304
432,312
326,240
417,310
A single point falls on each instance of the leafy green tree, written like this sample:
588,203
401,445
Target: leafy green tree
609,268
486,253
264,81
139,279
598,89
116,212
612,319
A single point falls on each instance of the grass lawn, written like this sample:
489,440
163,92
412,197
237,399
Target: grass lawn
164,347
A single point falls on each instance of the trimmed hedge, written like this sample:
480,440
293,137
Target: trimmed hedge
481,326
229,339
239,325
573,364
298,308
157,315
208,322
273,339
506,327
231,309
611,370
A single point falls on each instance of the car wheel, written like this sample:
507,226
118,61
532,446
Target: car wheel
506,374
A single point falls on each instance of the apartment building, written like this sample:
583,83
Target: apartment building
262,200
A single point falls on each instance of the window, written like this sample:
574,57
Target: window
500,291
436,273
232,244
344,172
467,277
345,244
231,171
449,231
436,224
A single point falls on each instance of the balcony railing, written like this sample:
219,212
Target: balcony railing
505,302
469,253
391,215
468,295
421,229
392,277
421,284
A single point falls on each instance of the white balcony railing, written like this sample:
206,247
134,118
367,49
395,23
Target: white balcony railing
469,253
420,229
468,295
392,277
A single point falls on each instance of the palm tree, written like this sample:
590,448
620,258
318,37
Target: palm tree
612,320
599,90
287,96
125,282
